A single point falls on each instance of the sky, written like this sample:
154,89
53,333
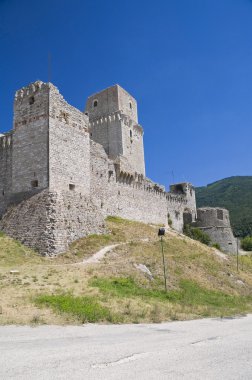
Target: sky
188,63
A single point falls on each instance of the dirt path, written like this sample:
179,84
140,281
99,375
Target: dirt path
98,256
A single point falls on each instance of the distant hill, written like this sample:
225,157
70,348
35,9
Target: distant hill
233,193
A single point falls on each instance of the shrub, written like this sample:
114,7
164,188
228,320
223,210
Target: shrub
196,234
216,245
246,243
169,222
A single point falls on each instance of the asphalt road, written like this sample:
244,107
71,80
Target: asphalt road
202,349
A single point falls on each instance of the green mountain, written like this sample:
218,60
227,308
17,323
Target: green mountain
234,194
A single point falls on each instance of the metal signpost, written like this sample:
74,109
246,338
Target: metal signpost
161,233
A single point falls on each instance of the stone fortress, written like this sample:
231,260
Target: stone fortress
63,171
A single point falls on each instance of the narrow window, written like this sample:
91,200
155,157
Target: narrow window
34,183
130,105
3,193
95,104
130,133
31,100
71,186
220,214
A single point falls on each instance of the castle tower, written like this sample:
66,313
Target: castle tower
186,190
114,124
50,142
30,165
216,223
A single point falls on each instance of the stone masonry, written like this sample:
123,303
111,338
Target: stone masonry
63,171
216,223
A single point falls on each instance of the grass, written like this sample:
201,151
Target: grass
200,283
189,294
85,309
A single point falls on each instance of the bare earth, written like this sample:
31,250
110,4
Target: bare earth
199,349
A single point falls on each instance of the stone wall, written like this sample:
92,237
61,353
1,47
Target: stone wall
49,221
109,101
132,140
140,200
29,222
69,146
30,138
5,170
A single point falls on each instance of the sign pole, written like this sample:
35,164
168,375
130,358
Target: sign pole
162,247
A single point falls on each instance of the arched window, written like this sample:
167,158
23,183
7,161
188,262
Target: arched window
95,104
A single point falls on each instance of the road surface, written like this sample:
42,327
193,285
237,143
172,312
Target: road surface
200,349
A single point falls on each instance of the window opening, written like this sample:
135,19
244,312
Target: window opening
34,183
31,100
71,186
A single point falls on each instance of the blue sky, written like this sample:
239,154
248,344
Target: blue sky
188,63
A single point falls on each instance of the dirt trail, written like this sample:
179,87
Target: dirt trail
96,257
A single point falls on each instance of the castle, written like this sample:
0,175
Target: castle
63,171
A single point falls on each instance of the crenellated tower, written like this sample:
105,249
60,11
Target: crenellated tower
114,124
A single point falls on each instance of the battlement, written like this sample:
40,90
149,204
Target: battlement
30,90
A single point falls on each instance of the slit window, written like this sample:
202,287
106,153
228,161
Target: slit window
34,183
31,100
220,214
71,186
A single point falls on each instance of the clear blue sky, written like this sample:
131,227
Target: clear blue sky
188,63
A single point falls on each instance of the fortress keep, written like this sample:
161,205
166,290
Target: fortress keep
63,171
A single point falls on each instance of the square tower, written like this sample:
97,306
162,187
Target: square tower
114,124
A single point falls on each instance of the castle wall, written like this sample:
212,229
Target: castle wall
130,201
69,146
30,139
176,205
49,221
29,222
5,170
107,131
127,104
132,137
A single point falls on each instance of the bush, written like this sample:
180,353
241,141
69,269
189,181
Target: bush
216,245
196,234
246,243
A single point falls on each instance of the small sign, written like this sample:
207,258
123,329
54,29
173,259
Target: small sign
161,231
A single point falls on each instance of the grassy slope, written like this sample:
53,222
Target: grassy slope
235,194
200,283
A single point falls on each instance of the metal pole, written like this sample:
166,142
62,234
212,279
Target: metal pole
163,262
237,255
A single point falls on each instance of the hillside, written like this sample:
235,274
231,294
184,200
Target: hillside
201,281
234,194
